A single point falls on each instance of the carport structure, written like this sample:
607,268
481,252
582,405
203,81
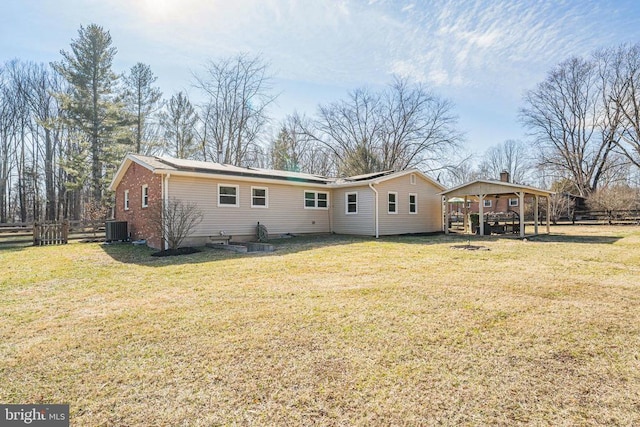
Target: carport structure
481,189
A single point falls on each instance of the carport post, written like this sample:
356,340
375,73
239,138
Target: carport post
521,203
548,214
535,213
465,219
481,213
446,215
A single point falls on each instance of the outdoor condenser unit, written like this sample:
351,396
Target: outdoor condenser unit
116,230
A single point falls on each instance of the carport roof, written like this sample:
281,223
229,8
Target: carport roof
481,186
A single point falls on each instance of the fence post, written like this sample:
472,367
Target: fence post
35,233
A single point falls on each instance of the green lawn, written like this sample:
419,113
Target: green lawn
330,331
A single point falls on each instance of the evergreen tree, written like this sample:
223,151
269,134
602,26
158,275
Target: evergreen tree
142,100
361,161
91,105
178,123
283,153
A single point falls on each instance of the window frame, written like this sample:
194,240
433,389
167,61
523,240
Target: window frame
237,196
347,203
266,197
315,199
145,196
415,203
126,201
513,202
487,203
395,203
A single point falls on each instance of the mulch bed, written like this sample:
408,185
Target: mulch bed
176,252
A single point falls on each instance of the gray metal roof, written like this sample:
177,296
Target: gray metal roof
170,164
199,166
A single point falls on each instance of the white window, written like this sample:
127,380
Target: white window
228,195
513,202
413,203
126,200
468,204
393,202
351,201
487,203
316,200
412,179
145,196
259,197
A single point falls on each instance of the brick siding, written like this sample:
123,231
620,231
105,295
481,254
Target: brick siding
500,204
138,218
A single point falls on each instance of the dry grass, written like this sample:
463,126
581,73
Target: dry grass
330,331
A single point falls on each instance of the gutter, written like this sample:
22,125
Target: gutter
377,208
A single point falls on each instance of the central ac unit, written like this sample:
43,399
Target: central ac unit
116,231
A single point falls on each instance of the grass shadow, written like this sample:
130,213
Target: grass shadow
130,254
567,238
141,255
542,237
7,247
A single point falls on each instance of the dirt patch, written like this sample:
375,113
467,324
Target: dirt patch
470,248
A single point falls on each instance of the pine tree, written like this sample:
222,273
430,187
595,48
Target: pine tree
283,154
91,105
142,100
178,123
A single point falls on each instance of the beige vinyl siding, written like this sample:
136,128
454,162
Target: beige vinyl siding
429,206
362,223
285,214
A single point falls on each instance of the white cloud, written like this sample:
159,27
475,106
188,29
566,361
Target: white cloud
479,51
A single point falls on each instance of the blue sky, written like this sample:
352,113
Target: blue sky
483,55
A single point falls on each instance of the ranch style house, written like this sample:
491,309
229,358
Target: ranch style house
234,199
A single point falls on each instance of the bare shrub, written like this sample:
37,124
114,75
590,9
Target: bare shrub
175,220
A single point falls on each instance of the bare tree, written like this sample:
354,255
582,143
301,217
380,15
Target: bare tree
399,127
235,112
175,220
561,201
23,129
419,127
42,83
293,149
565,115
7,144
511,156
623,76
460,170
178,122
614,198
350,129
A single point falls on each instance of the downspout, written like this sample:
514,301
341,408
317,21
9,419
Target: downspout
165,204
377,208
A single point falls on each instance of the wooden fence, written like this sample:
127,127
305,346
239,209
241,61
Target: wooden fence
52,233
22,233
631,216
